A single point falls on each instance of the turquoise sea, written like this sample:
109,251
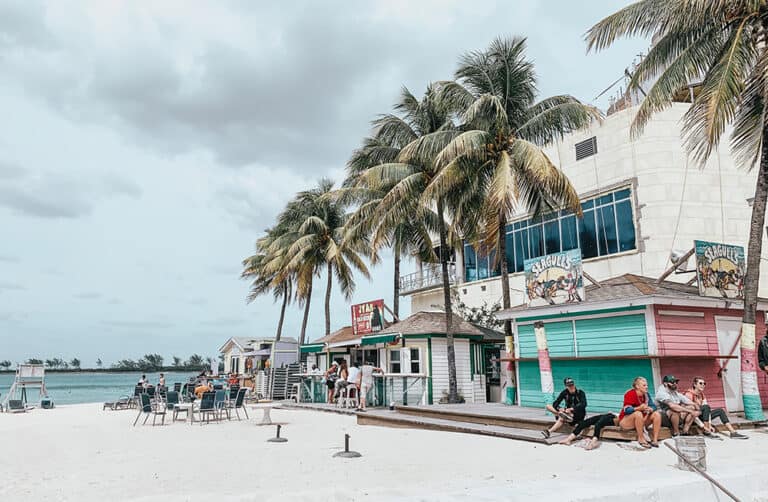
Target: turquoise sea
87,387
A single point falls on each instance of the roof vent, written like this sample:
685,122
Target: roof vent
586,148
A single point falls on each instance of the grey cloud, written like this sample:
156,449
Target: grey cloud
22,23
11,171
197,301
9,259
11,286
70,194
223,322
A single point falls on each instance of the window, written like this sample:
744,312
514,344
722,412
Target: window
586,148
415,354
607,226
394,361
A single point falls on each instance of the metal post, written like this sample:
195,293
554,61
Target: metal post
277,438
346,453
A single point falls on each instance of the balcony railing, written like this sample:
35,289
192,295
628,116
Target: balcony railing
430,276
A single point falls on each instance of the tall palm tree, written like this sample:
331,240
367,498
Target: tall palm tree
499,153
721,43
425,127
406,238
264,280
321,242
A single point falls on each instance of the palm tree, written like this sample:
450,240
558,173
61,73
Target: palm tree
264,280
499,153
723,45
406,238
425,127
321,242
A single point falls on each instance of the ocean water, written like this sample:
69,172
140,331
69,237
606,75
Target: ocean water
85,387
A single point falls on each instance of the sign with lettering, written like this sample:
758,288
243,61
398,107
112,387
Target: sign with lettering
554,279
368,317
720,269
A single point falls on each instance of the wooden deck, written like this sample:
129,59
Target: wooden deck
488,419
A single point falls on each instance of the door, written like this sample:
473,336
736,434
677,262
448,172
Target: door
728,331
492,365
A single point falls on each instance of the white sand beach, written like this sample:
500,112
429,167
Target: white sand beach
80,452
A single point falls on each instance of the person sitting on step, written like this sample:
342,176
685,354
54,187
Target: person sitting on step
599,421
637,413
575,407
696,394
676,408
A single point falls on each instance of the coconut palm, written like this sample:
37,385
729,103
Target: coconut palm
722,44
424,127
499,153
321,242
406,238
277,280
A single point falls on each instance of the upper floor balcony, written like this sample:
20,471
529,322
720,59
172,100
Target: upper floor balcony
430,276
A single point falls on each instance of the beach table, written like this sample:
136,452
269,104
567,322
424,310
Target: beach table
266,419
187,408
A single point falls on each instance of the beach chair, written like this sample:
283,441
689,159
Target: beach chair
150,391
16,406
171,399
220,402
233,390
123,403
176,386
207,407
147,407
237,403
137,391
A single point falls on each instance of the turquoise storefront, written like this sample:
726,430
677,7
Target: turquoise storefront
602,350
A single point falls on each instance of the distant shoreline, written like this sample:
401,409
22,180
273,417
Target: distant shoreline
171,369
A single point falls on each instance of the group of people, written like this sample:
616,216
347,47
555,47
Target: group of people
640,412
144,381
341,376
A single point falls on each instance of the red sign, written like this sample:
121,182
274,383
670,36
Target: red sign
368,317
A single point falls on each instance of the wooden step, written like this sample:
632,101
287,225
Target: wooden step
395,419
477,418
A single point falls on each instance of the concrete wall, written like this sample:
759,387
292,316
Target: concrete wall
714,201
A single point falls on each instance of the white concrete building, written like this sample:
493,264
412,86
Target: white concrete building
641,198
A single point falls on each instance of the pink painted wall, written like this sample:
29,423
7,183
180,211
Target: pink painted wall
679,335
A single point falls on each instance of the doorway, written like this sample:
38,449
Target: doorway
492,365
728,332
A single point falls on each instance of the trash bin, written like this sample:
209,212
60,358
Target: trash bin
694,449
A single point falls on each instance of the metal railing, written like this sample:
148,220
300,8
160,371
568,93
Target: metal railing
430,276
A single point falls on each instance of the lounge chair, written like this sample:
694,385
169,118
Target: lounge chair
177,387
207,407
237,403
172,399
220,402
16,406
148,408
233,390
124,403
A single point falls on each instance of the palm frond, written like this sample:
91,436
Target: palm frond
554,117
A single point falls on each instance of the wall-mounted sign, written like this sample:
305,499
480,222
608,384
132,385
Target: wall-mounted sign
368,317
720,269
554,278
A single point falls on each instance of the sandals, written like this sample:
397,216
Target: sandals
546,433
645,445
654,444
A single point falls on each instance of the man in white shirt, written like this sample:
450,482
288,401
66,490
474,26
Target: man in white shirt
675,407
366,382
353,378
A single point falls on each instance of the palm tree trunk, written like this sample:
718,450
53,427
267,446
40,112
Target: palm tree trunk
282,316
509,339
453,392
396,299
753,409
328,287
308,300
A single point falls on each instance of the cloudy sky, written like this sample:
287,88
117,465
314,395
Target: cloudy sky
144,147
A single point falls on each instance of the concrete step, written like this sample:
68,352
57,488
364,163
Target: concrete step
388,418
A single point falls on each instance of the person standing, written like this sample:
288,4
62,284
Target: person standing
331,375
575,407
161,381
366,382
696,394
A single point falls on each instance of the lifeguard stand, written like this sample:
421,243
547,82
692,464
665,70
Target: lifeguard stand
28,376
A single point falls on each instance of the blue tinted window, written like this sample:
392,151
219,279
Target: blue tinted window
605,199
510,243
621,194
626,225
521,249
537,241
552,236
568,233
588,235
470,264
588,204
606,231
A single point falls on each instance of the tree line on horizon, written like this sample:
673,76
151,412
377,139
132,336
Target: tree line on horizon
460,160
149,363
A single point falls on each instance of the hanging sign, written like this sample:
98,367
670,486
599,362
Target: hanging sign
554,279
720,269
368,317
